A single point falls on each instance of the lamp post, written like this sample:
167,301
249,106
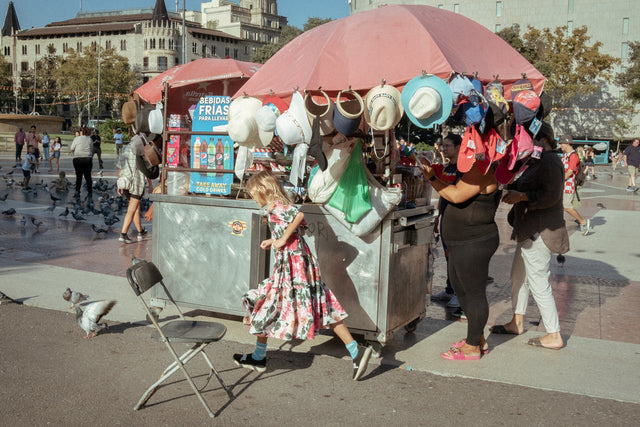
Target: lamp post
99,41
184,36
35,78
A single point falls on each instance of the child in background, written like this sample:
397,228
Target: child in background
57,146
293,303
28,165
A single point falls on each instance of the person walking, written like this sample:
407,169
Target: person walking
27,167
539,229
118,137
82,150
571,162
45,148
631,158
57,148
19,138
34,140
131,184
294,303
96,140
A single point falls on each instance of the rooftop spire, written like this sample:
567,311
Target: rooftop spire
11,24
159,12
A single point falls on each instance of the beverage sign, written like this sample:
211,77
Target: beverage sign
211,152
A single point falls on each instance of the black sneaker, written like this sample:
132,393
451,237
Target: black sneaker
141,234
246,361
124,238
361,361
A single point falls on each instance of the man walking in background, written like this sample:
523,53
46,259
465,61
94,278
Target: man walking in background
19,138
33,139
631,156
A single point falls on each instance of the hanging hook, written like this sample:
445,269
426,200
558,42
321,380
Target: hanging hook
270,92
384,81
244,94
424,73
349,88
524,75
320,88
495,77
295,89
475,75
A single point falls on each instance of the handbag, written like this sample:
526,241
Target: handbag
148,161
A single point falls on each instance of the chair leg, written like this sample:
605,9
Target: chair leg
171,369
215,371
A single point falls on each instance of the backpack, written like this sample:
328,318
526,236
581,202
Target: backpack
581,174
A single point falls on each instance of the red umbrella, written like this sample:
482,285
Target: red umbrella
189,82
395,43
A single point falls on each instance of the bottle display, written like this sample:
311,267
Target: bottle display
211,157
203,155
219,156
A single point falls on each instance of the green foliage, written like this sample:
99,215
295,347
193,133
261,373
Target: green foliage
6,81
108,127
630,78
314,22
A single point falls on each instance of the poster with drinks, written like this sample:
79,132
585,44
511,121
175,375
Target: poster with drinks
211,152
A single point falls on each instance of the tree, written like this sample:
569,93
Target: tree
629,79
288,33
77,77
6,85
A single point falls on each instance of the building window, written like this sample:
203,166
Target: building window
246,50
498,8
163,44
440,6
162,63
37,49
176,61
170,44
498,27
79,47
24,66
145,63
51,48
65,47
152,44
7,50
235,53
204,51
456,8
194,47
570,27
570,6
107,44
24,49
123,45
624,53
226,52
146,45
625,25
213,50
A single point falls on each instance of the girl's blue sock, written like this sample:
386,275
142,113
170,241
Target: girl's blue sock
353,349
260,351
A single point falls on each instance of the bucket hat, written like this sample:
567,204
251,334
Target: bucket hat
293,125
242,126
382,107
427,100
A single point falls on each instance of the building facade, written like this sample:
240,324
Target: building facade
151,39
614,23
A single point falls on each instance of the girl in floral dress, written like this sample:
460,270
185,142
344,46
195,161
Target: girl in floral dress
293,303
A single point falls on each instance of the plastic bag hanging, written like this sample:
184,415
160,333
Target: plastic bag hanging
352,194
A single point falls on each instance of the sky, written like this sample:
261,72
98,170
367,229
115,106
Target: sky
38,13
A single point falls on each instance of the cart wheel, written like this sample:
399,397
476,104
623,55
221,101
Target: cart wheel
377,348
413,325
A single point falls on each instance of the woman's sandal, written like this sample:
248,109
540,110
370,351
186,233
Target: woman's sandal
463,341
457,354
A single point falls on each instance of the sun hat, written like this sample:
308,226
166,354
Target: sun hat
272,107
427,100
525,106
293,125
348,111
242,126
461,88
323,111
382,107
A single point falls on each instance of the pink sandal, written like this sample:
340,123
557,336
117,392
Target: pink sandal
457,354
463,341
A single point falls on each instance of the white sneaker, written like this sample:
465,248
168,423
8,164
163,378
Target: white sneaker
453,302
585,227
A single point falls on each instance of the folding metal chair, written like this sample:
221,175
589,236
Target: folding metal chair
145,275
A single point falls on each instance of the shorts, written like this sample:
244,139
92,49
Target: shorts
567,200
128,195
633,170
56,154
37,153
26,173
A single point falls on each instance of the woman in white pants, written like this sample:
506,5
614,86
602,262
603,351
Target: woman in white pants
539,229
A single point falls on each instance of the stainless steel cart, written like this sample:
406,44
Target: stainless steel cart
208,250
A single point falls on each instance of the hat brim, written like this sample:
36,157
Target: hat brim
446,100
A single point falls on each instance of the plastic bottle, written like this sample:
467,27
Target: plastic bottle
196,153
203,155
228,154
219,156
211,157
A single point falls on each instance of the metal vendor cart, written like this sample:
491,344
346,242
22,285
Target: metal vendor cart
209,252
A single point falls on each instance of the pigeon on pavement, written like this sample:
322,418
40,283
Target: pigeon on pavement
73,297
98,230
3,198
9,212
77,216
89,318
36,222
64,213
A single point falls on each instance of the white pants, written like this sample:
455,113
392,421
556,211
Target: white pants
530,272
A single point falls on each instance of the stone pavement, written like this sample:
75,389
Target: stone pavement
597,291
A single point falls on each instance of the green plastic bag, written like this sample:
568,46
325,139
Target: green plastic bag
352,193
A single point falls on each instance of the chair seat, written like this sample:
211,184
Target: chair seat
188,331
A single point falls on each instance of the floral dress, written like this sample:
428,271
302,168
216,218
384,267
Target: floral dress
293,302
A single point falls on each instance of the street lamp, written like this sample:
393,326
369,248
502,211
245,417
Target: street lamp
35,78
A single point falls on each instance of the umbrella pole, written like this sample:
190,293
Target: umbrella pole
225,90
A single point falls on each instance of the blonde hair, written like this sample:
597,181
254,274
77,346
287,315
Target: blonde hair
267,186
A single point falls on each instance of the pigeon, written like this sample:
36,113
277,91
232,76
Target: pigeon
4,198
23,221
64,213
77,216
6,299
51,208
9,212
98,230
601,206
36,222
92,314
11,173
111,220
73,297
54,198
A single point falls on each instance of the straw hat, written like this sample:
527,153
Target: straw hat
383,108
293,125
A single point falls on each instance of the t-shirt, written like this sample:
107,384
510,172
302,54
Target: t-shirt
27,164
57,146
19,137
633,155
33,139
96,141
570,162
119,138
45,140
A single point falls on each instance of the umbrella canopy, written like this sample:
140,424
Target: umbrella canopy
395,43
188,82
